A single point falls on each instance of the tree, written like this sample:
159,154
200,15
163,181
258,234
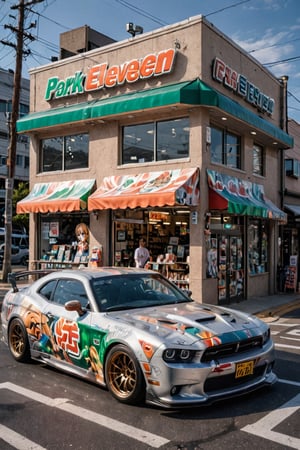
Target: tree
20,220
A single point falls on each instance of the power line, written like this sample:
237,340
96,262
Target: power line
21,36
275,63
227,7
142,12
274,45
293,96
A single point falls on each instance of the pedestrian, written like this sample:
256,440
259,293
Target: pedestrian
141,254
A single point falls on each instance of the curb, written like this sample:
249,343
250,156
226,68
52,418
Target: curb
273,314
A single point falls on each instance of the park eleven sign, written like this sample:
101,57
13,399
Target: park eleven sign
104,76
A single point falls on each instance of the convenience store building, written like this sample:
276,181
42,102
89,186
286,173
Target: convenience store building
175,135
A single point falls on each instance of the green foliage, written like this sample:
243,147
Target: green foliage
20,192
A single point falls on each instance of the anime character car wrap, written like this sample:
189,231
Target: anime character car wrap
145,341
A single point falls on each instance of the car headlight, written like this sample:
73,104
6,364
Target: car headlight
175,355
266,335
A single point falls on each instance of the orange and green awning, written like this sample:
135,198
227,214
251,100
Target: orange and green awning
166,188
63,196
237,196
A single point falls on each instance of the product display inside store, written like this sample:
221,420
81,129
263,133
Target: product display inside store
65,242
167,239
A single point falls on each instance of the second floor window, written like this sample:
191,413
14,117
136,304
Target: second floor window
65,153
156,141
19,160
292,168
225,148
258,160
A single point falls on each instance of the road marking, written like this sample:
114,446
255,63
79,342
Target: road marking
281,323
63,404
294,333
287,346
289,338
16,440
293,383
264,426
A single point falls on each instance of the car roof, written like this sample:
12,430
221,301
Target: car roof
99,272
80,274
93,273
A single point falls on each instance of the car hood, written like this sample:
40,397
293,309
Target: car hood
192,322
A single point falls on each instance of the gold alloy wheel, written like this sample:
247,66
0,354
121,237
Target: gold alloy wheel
18,341
122,374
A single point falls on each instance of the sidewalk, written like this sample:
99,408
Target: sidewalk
269,307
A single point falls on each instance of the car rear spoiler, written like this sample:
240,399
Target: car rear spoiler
14,276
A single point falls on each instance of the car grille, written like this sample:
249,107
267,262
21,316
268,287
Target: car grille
229,381
217,352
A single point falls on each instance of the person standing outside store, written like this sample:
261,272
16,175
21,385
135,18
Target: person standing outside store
141,254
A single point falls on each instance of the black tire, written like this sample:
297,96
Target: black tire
18,343
123,376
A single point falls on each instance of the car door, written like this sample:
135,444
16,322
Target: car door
69,340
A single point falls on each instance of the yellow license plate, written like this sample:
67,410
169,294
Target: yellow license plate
244,369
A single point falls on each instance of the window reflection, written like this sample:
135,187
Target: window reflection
156,141
258,247
138,143
258,159
225,148
64,153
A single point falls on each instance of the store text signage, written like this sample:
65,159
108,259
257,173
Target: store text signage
239,84
104,76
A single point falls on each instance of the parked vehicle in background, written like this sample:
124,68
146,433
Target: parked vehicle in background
18,239
19,248
138,334
19,254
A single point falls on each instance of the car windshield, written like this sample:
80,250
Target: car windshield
135,291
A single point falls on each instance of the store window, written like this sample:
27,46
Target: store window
64,238
225,148
167,235
258,160
65,153
155,141
292,168
258,246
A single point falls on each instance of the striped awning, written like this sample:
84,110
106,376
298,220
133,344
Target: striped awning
167,188
64,196
237,196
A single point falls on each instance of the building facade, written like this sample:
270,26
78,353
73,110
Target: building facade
22,156
289,274
175,135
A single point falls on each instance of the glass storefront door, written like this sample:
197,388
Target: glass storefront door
230,268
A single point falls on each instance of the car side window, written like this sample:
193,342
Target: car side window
47,289
67,290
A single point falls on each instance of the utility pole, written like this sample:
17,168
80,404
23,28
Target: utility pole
11,156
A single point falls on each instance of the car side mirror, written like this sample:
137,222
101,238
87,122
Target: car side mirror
74,305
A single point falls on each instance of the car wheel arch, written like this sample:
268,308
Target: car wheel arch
136,394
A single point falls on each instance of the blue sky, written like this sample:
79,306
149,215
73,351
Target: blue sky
268,29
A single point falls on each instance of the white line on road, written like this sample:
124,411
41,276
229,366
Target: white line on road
281,323
264,426
150,439
288,338
293,383
17,441
287,346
